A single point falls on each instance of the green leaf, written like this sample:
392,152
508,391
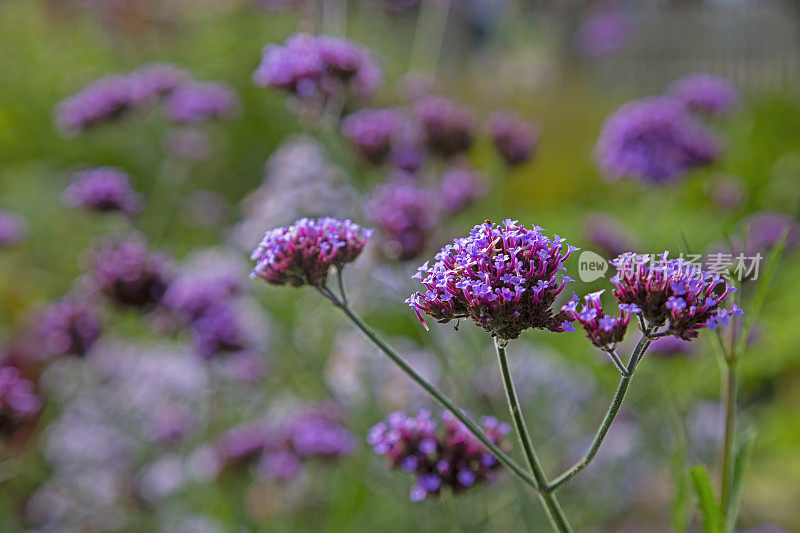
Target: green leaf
741,463
709,510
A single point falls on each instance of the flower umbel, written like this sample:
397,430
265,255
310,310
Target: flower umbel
504,277
453,458
102,189
303,253
672,292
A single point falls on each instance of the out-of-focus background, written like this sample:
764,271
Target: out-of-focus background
148,428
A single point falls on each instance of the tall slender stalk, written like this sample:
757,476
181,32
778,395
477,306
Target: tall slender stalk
726,466
611,414
433,391
554,512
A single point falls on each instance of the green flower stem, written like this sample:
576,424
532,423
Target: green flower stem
613,409
433,391
554,512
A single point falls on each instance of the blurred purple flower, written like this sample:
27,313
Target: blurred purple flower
304,252
405,214
654,140
127,273
513,137
669,346
69,326
408,150
306,65
371,131
18,400
460,188
448,127
102,100
196,101
705,93
103,189
606,31
607,235
450,458
13,228
763,230
501,276
728,192
672,291
151,82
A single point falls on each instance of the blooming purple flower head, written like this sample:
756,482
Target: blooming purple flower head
405,214
199,101
307,65
102,100
655,140
460,188
127,273
371,131
18,400
504,277
13,228
606,31
70,326
303,253
450,457
102,189
448,127
513,137
151,82
705,93
605,331
672,292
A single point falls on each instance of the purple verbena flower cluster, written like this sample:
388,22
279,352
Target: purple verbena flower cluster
605,331
448,127
705,93
309,65
405,214
12,228
655,140
128,274
451,458
604,32
672,292
371,132
102,189
513,137
69,326
504,277
196,101
18,401
279,449
303,253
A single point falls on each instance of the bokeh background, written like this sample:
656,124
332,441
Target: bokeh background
126,436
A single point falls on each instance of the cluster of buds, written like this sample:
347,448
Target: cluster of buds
303,253
451,458
605,331
672,292
103,189
371,131
448,128
505,277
